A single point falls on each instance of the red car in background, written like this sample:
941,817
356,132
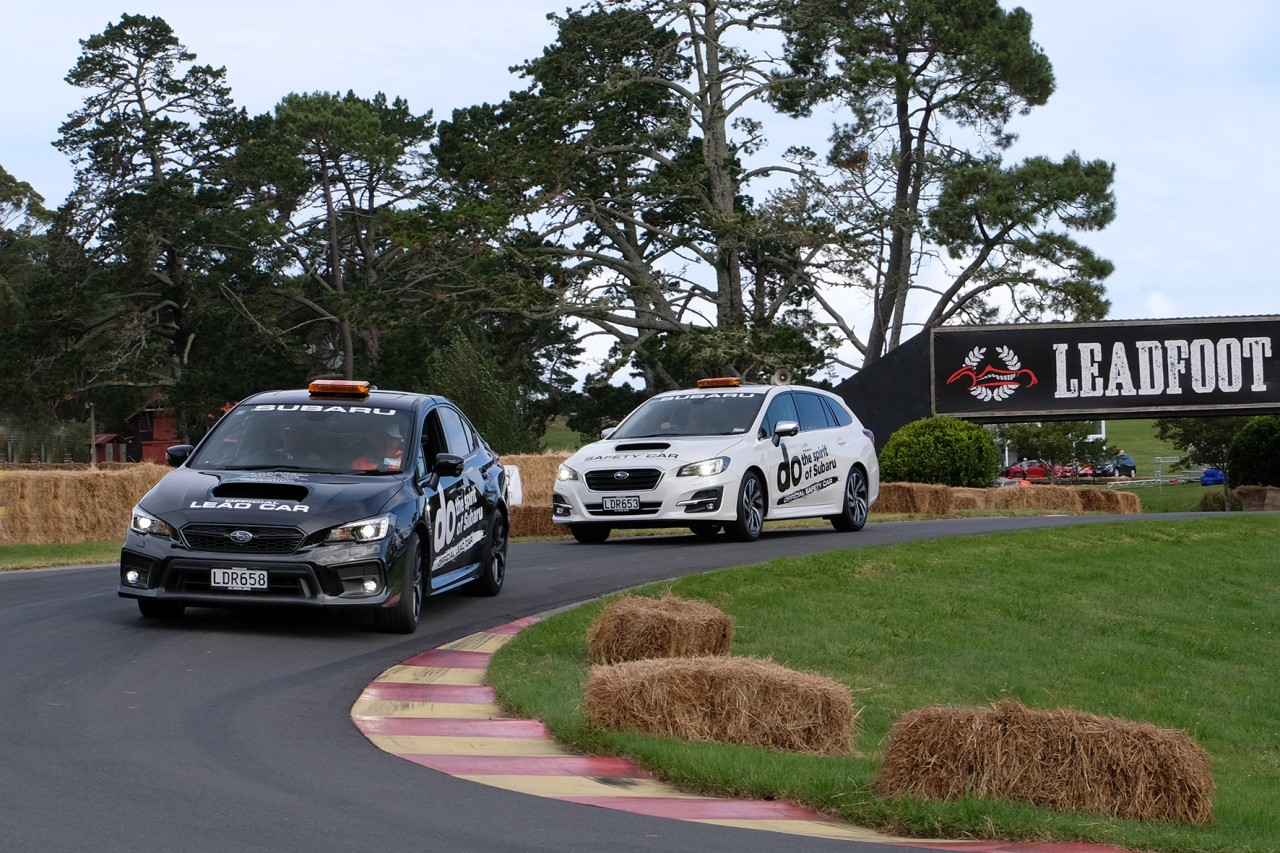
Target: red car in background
1038,469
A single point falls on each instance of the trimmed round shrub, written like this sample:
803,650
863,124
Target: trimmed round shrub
1252,457
942,450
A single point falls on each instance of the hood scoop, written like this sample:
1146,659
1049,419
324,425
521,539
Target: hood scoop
249,489
644,445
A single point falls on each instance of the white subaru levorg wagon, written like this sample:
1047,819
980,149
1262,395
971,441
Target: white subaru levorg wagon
723,455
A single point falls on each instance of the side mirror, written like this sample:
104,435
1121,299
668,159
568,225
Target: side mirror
449,465
787,428
177,454
605,433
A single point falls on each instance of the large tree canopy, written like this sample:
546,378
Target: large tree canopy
627,194
624,160
932,86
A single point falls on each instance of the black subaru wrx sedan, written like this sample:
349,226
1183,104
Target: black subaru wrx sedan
338,495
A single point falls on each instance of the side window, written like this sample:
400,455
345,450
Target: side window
457,437
432,441
837,411
781,408
813,412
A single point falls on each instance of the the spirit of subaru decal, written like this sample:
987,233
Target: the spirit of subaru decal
804,473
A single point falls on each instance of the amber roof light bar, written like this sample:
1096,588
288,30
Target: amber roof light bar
354,388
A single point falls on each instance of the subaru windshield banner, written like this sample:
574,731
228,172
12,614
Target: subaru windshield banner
1218,365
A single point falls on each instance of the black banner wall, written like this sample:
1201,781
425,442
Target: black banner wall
1140,368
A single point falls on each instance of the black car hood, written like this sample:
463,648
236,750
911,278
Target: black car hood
308,501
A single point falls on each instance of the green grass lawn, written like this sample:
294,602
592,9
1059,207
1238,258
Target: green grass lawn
1176,624
1138,438
559,437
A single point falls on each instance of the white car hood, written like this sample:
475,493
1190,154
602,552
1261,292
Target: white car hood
665,453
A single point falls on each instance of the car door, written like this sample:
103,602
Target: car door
783,458
819,456
460,527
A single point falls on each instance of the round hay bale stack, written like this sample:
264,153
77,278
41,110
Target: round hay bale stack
1065,760
635,627
726,700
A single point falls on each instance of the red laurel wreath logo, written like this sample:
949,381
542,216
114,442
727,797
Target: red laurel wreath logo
993,383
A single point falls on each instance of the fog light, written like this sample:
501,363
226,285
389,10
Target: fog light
131,576
370,585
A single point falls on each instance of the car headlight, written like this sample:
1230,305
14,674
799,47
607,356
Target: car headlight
564,472
368,530
705,468
147,524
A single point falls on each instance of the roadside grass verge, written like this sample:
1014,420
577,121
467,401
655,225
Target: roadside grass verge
1172,623
72,554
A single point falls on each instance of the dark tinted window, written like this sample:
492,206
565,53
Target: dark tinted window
813,411
456,434
781,408
838,412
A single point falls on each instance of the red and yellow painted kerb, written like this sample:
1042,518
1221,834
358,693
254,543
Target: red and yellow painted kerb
434,709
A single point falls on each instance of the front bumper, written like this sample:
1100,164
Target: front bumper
677,501
321,576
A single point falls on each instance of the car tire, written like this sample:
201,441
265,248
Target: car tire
493,562
152,609
704,529
403,616
750,520
853,513
590,534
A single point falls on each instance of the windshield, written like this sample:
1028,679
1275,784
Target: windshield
337,438
693,413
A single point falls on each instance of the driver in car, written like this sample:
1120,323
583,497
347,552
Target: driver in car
387,451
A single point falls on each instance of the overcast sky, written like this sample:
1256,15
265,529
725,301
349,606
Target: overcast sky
1181,96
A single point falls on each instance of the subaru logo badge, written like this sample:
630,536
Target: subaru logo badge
241,536
620,475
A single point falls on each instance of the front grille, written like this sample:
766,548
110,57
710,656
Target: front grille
266,540
636,479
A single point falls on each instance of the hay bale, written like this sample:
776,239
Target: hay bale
962,498
1257,498
537,474
42,507
725,700
1053,498
1066,760
1109,500
635,627
913,498
532,520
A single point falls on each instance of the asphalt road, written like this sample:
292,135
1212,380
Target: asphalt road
230,730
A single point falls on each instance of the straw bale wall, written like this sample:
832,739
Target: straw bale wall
72,503
48,505
1062,759
635,627
726,700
